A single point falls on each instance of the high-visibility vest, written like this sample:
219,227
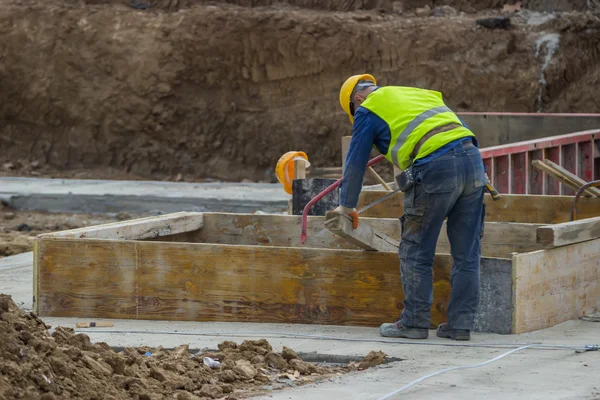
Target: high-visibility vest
410,114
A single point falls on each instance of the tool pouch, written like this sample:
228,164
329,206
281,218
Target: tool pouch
405,179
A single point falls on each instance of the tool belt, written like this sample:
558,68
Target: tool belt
405,179
428,135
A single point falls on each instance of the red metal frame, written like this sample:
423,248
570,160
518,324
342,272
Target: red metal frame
510,170
510,114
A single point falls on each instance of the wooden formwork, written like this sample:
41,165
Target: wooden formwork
537,270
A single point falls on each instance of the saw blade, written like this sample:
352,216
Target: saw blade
387,196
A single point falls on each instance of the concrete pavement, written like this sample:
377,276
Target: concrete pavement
529,374
104,196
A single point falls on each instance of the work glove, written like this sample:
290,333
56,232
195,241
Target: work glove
351,212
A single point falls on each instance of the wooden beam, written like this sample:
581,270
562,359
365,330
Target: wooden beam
499,240
569,232
538,209
135,229
299,169
92,278
363,236
379,179
555,285
564,176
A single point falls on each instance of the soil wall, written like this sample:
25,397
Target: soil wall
223,91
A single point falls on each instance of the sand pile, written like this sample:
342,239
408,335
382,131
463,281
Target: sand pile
65,365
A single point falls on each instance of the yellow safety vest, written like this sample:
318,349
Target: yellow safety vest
410,114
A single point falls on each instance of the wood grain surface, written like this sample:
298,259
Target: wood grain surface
210,282
555,285
511,208
500,239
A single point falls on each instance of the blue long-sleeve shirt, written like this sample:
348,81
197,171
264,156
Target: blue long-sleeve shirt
370,130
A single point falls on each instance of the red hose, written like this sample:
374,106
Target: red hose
323,194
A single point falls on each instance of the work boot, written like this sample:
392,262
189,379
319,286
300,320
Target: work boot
398,331
455,334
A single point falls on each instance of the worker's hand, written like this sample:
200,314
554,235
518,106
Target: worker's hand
351,212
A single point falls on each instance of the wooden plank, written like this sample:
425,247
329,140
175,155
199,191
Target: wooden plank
91,278
569,232
364,236
499,240
511,208
379,179
299,169
135,229
564,176
555,285
86,278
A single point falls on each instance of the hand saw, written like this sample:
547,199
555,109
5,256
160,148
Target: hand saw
382,199
365,208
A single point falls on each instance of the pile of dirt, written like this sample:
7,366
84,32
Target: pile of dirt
65,365
18,228
221,91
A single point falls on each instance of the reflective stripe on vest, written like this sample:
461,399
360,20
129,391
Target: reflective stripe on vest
412,126
410,113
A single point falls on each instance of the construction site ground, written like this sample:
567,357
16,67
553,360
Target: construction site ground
531,373
19,228
194,93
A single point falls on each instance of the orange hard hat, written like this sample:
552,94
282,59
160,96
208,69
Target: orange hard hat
285,168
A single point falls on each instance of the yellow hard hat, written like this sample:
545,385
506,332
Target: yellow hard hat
346,92
285,168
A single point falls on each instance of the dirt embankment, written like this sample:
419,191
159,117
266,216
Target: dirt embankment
223,91
36,365
468,6
18,229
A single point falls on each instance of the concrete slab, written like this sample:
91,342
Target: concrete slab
530,374
16,278
102,196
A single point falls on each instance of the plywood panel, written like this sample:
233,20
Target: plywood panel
511,208
140,228
208,282
85,278
499,240
555,285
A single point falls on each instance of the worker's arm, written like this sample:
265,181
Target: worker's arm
368,130
357,158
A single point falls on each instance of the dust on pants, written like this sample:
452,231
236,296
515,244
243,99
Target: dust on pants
451,186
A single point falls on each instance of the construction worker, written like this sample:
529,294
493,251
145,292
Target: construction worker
442,177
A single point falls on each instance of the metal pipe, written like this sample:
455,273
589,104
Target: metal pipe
578,195
323,194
